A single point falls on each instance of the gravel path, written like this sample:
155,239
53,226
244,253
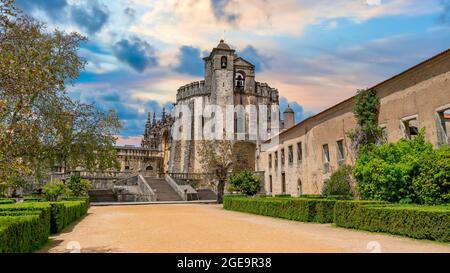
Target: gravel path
209,228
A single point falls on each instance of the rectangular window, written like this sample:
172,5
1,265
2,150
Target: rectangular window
410,126
290,155
283,183
270,161
444,126
326,158
299,152
270,184
340,152
282,157
276,160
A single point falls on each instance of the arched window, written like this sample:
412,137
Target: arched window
149,168
223,62
240,80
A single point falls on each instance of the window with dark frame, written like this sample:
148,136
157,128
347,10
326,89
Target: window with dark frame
299,152
290,155
340,152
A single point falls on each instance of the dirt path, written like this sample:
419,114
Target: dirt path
209,228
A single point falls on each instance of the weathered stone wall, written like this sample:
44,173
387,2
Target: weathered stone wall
419,92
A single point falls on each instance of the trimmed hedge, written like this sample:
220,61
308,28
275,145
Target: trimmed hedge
7,201
65,213
299,209
419,222
24,227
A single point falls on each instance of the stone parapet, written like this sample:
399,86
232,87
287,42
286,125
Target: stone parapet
192,89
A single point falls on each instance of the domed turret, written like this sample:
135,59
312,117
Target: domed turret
288,117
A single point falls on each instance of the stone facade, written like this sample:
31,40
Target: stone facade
416,98
229,80
152,158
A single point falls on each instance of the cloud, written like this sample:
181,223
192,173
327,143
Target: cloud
221,12
54,9
444,17
300,113
135,52
91,17
130,12
190,61
252,55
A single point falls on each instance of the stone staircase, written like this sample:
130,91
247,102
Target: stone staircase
206,194
101,195
163,190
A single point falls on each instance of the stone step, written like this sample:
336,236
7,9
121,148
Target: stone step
206,194
101,196
164,192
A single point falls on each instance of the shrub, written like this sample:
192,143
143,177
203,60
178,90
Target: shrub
65,213
299,209
386,172
245,182
420,222
339,183
54,190
311,196
79,186
432,183
23,228
7,201
282,195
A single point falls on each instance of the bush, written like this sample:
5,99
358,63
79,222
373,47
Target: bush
420,222
65,213
408,171
79,186
25,227
282,195
339,183
299,209
432,183
245,182
54,190
7,201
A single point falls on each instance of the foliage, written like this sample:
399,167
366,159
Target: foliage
299,209
366,111
54,190
216,157
245,182
432,181
24,227
65,213
78,186
407,171
340,183
420,222
7,201
40,125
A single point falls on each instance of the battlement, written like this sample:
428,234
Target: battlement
263,89
192,89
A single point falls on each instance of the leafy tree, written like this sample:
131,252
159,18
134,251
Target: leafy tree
216,157
54,190
78,186
407,171
39,124
246,182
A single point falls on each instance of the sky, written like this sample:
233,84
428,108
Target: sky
315,52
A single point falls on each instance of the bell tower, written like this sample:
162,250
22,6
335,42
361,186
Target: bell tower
219,73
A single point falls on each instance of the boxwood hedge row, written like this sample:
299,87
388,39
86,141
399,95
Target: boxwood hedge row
419,222
7,201
299,209
24,227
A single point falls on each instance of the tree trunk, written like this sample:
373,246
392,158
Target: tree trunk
220,190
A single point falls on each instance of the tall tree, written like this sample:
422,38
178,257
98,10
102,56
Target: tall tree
216,157
38,120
